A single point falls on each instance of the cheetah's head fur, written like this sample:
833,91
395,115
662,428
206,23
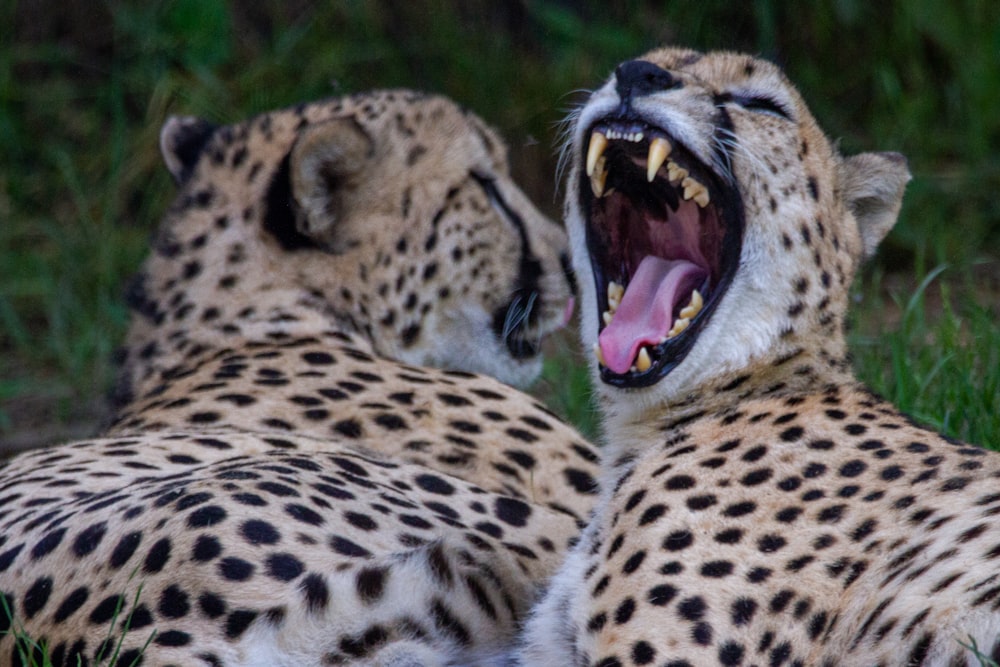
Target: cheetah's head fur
707,172
391,215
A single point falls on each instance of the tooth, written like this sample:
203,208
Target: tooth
643,362
680,325
693,188
597,353
599,177
675,172
607,315
659,149
639,136
702,199
615,293
693,307
598,142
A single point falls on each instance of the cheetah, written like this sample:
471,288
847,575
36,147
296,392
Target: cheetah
312,461
759,505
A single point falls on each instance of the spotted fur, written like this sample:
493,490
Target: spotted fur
287,481
760,506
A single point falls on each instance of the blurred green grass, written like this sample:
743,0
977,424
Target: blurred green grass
84,88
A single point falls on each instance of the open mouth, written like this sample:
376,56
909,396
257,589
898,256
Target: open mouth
664,233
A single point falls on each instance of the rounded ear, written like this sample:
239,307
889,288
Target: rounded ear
182,139
872,186
327,163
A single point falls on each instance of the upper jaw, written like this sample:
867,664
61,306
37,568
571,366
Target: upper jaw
663,232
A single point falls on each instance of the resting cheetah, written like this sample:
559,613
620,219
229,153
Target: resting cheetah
286,482
759,505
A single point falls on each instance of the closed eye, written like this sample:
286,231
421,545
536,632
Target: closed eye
757,104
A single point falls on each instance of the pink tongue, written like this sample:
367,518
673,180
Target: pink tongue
645,314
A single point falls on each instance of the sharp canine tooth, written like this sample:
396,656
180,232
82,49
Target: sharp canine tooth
659,149
598,142
643,362
599,177
693,307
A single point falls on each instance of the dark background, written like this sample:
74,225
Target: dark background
85,86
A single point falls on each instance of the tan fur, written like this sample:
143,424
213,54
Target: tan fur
286,482
760,506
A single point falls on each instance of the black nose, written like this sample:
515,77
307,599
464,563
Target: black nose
638,77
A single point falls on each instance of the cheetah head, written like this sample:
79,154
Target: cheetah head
713,225
390,214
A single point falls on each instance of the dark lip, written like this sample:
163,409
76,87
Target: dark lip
631,178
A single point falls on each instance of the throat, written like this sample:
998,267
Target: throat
635,421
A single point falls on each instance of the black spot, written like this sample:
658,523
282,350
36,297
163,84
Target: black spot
203,517
211,605
37,596
158,556
742,611
581,481
756,477
434,484
283,567
350,428
661,595
624,611
652,513
256,531
512,511
107,609
680,483
87,540
360,521
633,562
49,542
643,653
729,536
717,569
345,547
173,602
370,584
696,503
678,540
304,514
235,569
740,509
71,604
780,601
692,609
204,417
7,557
171,638
316,592
792,434
891,473
391,422
238,621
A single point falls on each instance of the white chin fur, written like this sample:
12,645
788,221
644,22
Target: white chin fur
475,349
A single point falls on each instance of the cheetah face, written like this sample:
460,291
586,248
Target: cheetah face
693,179
389,214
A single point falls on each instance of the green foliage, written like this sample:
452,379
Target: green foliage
35,653
84,88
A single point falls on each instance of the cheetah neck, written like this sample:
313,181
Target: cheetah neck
634,424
